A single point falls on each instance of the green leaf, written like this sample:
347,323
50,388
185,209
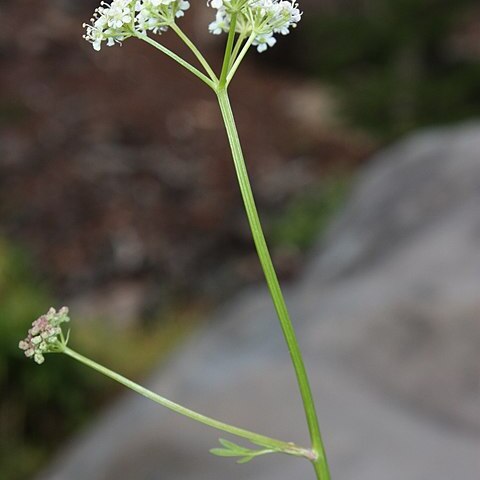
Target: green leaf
233,450
246,459
232,446
223,452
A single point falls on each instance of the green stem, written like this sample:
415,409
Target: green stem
320,462
177,58
240,58
277,445
238,45
228,51
195,51
320,465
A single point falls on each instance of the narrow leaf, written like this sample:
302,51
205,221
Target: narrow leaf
223,452
233,446
246,459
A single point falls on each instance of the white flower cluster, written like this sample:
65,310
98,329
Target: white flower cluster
265,18
45,335
112,23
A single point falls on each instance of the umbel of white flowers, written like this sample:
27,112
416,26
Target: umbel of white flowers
45,335
113,23
265,18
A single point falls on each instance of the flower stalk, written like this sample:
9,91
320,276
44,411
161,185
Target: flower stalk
186,40
320,462
228,52
210,82
276,446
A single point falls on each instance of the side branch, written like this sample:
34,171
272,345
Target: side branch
277,445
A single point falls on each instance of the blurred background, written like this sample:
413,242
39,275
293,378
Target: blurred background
118,195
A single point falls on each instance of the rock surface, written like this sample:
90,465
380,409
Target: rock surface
389,317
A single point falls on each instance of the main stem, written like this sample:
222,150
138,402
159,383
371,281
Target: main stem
320,463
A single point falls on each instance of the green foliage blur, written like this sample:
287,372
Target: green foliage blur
308,215
37,405
397,64
41,405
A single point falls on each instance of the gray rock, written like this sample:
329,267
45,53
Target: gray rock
388,316
406,255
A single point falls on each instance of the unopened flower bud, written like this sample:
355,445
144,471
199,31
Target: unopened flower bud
45,335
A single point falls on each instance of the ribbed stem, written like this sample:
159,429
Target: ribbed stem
320,463
228,51
240,58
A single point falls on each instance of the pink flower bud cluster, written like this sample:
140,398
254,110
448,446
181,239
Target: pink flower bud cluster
45,335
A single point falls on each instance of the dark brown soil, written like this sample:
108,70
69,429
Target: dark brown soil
115,165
